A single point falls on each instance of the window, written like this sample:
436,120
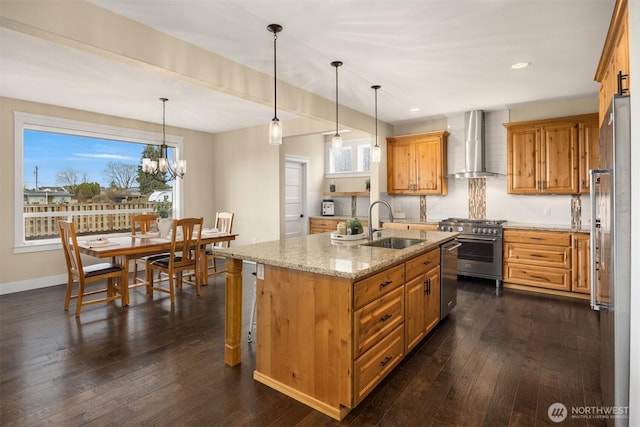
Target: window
354,159
66,169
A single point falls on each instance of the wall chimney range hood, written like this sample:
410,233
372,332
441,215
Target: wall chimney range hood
474,146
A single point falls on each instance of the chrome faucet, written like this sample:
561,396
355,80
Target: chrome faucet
371,229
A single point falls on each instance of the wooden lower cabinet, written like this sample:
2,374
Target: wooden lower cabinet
546,261
328,341
410,226
375,364
322,225
581,263
424,227
422,296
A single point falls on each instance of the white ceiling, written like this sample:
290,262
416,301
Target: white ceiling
444,57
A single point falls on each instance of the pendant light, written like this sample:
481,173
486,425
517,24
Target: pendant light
336,142
375,151
159,169
275,129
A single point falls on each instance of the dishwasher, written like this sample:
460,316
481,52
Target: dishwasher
448,277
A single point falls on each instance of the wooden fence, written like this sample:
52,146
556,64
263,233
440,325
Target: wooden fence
41,221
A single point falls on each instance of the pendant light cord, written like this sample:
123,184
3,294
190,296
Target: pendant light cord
336,64
337,100
375,88
376,92
164,101
275,80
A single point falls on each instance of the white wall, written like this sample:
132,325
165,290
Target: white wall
246,181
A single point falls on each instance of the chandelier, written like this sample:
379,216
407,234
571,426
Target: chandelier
161,169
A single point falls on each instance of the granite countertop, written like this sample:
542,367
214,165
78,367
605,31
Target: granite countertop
413,221
318,253
338,217
514,225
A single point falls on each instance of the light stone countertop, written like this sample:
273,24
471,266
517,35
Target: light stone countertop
318,253
513,225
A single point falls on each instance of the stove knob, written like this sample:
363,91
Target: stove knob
474,230
495,231
484,230
460,228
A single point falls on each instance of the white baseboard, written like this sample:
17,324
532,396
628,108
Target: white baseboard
28,285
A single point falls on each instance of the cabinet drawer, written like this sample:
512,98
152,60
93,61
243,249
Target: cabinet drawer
550,256
376,363
423,227
330,224
373,287
395,225
315,230
544,277
555,238
422,264
378,318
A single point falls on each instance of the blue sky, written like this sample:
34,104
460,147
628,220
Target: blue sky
53,153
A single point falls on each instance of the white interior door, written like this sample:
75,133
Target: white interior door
295,198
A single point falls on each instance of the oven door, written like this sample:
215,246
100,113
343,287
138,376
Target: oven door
480,256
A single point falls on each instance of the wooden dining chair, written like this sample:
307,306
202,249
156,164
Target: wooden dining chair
224,223
141,224
183,256
89,274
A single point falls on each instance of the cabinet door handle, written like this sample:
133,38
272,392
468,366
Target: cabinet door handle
386,360
387,283
386,317
427,286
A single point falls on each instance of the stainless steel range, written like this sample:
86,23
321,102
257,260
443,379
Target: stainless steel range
481,252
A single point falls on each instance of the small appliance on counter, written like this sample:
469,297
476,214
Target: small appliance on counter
328,207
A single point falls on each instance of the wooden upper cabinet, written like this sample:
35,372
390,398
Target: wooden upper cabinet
614,60
588,151
400,166
559,159
551,156
523,161
417,163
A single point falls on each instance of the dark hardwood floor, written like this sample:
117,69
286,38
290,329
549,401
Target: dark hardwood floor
499,359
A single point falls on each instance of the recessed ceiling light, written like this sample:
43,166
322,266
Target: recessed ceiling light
414,109
520,65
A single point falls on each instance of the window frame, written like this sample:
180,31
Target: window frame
29,121
353,143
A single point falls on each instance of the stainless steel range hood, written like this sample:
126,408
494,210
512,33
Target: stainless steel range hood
474,146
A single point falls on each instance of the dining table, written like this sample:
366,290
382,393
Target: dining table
124,249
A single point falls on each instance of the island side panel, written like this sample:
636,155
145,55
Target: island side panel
233,312
304,334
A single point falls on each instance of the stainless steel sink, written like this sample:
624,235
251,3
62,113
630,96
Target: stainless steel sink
393,243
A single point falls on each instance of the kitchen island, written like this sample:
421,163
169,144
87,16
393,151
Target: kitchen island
334,317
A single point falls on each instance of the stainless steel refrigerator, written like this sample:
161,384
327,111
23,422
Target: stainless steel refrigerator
611,254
